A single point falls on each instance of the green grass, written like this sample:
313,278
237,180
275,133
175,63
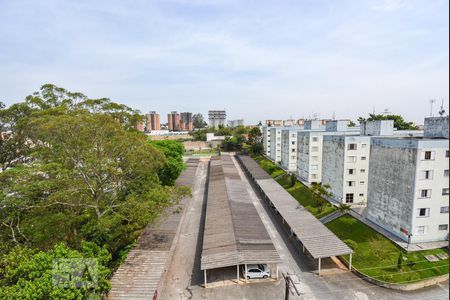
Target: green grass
269,166
376,256
304,196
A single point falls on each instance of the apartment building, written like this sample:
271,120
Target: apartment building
235,123
275,123
217,118
173,121
153,121
345,167
289,149
408,191
266,139
186,121
310,148
275,144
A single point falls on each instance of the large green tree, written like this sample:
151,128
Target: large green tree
173,165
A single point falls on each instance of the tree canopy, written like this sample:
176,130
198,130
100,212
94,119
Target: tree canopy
399,122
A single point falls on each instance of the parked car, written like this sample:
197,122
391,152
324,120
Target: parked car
256,271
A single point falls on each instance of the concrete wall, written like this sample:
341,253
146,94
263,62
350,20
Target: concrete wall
377,128
337,125
333,163
313,124
396,181
436,127
275,144
289,150
266,140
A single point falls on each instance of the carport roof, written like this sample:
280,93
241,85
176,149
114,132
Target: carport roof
316,237
234,233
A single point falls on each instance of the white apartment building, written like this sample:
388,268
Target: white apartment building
289,149
408,192
217,118
275,144
345,167
309,149
266,139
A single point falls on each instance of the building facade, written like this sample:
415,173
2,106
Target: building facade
275,144
266,139
173,121
409,184
236,123
153,121
289,149
345,167
275,123
186,121
217,118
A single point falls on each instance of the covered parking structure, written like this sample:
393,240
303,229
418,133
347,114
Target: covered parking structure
310,233
234,234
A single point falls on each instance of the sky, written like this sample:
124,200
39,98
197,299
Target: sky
257,59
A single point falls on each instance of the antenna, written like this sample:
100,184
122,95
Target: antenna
442,110
386,111
334,117
432,101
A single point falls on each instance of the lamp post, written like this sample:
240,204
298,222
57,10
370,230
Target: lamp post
409,241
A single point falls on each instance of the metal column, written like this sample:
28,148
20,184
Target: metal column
245,273
350,262
204,272
237,272
319,265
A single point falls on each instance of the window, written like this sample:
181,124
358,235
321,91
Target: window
351,159
425,193
363,145
351,171
444,209
423,212
293,135
363,170
351,147
427,155
292,150
293,156
348,198
428,174
313,176
361,195
314,167
363,158
315,139
445,191
314,158
445,173
421,230
350,183
361,182
293,143
315,149
443,227
446,153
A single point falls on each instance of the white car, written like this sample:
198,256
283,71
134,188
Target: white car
256,271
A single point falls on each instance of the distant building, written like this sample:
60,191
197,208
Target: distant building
289,149
408,191
217,118
236,123
275,144
186,121
275,123
289,122
266,139
173,120
153,121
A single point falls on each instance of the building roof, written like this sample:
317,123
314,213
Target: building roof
316,237
234,233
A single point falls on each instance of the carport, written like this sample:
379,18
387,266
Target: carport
234,234
313,236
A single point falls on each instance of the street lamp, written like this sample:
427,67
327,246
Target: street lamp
409,241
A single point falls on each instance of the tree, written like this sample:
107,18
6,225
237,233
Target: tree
400,261
293,179
351,124
198,120
344,208
26,273
399,122
318,192
174,165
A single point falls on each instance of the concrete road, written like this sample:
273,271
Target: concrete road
186,257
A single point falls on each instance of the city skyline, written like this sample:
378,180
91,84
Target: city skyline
254,59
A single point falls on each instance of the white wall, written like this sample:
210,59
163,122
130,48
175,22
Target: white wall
289,150
275,144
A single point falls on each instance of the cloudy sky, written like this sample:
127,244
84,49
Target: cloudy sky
257,59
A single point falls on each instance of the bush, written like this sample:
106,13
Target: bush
351,243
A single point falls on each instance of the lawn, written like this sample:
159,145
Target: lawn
303,195
377,257
269,166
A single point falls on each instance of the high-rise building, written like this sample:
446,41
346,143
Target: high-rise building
235,123
153,121
216,118
186,121
173,121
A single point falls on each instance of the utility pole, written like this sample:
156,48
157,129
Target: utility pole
432,101
286,293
